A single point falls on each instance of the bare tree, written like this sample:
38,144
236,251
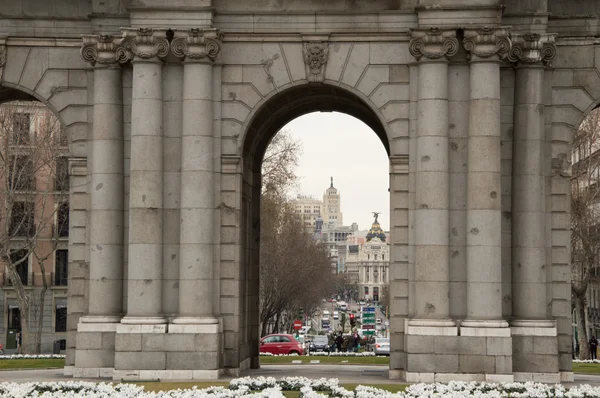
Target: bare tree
295,270
34,195
585,219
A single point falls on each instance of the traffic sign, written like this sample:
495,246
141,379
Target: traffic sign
297,325
368,332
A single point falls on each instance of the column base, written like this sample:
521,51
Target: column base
94,345
195,325
430,327
484,328
92,373
535,350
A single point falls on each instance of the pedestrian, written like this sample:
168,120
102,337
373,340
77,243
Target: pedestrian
18,341
593,347
350,345
331,342
356,342
339,340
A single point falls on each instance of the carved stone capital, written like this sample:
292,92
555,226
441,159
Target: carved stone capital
198,44
143,44
532,48
487,42
433,43
315,59
100,49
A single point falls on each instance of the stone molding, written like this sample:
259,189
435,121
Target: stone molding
2,52
532,49
487,42
315,58
78,167
433,43
198,45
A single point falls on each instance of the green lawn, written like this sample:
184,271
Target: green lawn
265,360
11,364
586,368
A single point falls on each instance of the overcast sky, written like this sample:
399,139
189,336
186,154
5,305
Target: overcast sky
340,146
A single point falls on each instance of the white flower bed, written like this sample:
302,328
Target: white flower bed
586,361
28,356
269,387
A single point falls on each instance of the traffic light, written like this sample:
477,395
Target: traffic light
301,313
352,321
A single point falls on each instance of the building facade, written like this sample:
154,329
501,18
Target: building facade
368,264
169,107
39,193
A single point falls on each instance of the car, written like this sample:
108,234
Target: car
281,344
304,329
325,313
382,346
336,315
319,344
379,321
361,303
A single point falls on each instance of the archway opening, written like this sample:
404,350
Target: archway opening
34,176
289,110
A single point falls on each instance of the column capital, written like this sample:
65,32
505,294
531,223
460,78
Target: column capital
487,42
197,44
433,43
532,49
143,44
100,50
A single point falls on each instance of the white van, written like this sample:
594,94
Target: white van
342,305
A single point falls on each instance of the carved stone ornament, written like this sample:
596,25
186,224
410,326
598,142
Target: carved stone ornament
198,44
142,43
99,49
487,42
532,48
433,43
315,58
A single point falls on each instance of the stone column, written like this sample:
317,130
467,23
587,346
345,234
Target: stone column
535,354
105,294
484,293
199,48
528,179
431,47
144,287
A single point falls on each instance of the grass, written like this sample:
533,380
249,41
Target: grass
265,360
586,368
12,364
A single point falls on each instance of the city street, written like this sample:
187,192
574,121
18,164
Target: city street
366,374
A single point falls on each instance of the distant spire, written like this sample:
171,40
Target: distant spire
331,183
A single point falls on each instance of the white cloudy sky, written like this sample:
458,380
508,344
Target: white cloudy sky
340,146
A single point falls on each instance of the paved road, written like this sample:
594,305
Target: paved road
367,374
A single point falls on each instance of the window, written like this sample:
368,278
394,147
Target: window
383,257
60,324
20,129
366,290
272,339
22,219
14,317
23,267
61,267
62,174
283,339
21,173
62,220
375,257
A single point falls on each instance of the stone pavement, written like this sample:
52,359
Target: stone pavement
367,374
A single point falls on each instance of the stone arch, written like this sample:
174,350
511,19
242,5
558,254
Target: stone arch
269,115
265,119
56,77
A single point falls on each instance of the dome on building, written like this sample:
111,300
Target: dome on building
376,232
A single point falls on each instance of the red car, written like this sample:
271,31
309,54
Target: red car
279,344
